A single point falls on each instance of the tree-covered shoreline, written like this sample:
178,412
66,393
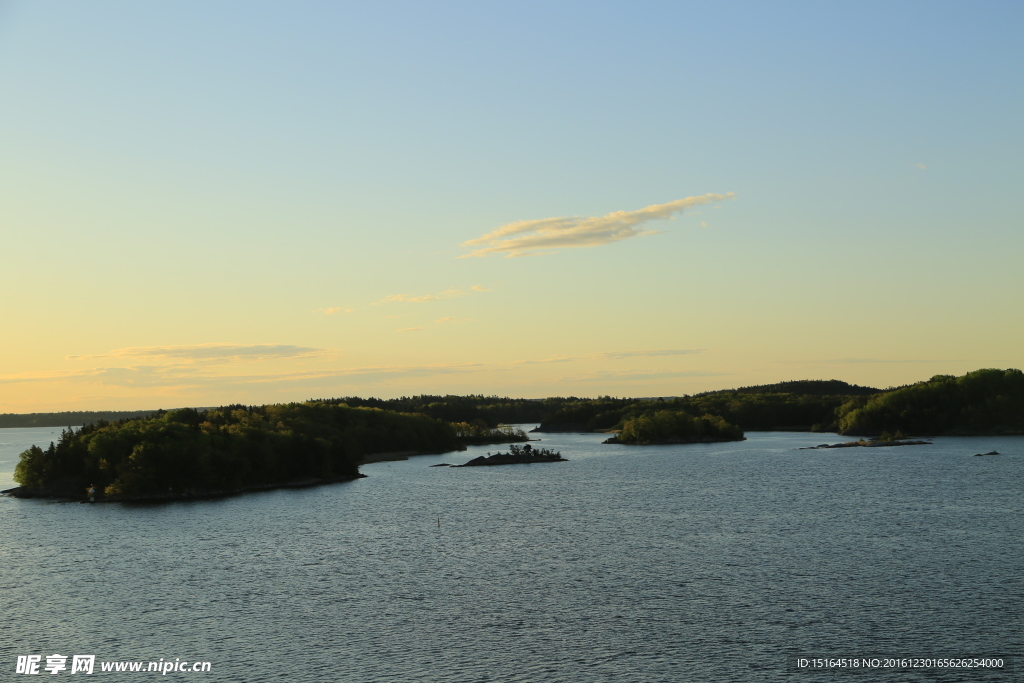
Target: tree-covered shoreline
190,453
194,452
987,401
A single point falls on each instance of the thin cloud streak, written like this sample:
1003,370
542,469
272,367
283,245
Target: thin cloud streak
178,369
407,298
556,359
189,376
532,237
650,354
209,352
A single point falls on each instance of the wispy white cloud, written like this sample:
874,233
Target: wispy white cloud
556,359
661,352
452,293
137,375
920,166
209,352
184,377
532,237
410,329
418,299
334,310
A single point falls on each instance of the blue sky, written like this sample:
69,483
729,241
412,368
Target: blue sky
217,176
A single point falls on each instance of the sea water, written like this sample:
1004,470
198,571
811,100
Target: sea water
704,562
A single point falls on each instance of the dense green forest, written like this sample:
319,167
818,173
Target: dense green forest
676,426
190,452
980,402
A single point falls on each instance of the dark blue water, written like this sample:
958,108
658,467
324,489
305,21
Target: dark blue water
715,562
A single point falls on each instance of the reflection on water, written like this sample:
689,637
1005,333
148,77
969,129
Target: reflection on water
707,562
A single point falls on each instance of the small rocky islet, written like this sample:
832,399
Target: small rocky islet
517,455
868,444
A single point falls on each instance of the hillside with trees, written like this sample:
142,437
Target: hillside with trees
980,402
806,387
805,405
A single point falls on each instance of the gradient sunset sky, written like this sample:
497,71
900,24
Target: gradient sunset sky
256,202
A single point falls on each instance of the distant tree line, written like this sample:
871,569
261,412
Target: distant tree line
68,419
491,410
806,387
798,404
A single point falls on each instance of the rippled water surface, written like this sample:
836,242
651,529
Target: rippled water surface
713,562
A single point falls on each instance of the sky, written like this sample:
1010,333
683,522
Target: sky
259,202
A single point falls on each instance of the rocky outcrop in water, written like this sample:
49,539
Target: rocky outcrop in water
866,444
517,455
